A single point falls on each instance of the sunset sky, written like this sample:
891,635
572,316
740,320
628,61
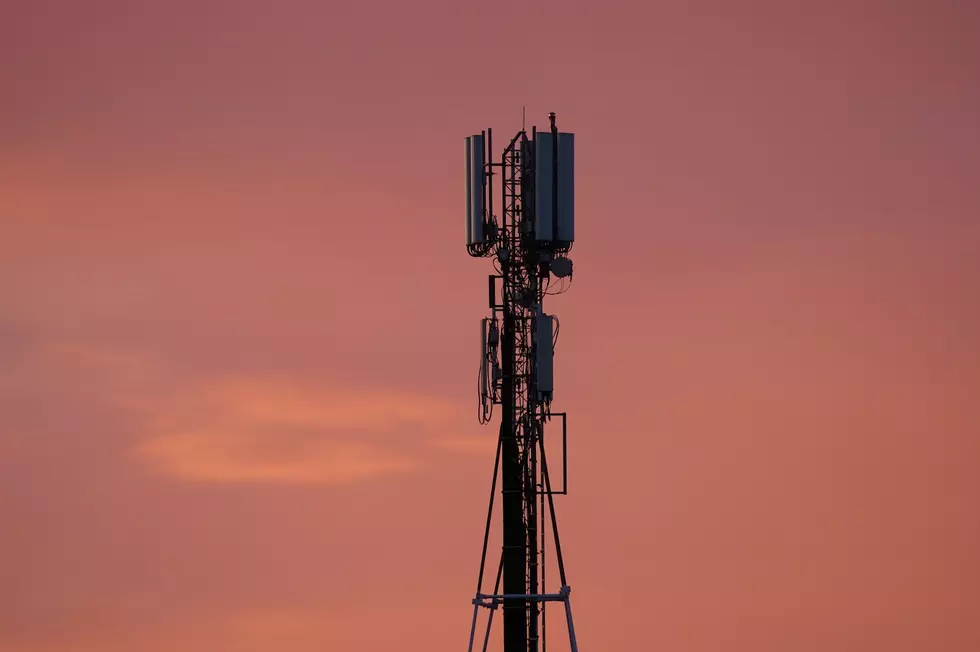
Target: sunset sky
238,324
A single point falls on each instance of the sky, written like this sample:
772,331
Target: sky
238,324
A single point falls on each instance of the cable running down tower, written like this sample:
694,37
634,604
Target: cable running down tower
529,243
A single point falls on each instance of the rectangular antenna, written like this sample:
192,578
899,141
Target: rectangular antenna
475,178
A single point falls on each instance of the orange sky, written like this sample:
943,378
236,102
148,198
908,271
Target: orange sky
238,322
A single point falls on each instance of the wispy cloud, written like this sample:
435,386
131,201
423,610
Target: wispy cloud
274,430
236,454
263,401
258,428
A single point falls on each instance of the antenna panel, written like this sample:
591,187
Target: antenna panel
544,204
566,188
554,224
475,178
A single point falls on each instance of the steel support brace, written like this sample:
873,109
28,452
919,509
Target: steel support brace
492,601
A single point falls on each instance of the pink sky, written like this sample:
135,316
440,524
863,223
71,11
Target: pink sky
238,322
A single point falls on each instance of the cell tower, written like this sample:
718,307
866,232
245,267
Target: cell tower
529,241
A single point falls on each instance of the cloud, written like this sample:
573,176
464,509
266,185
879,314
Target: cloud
252,428
258,429
231,455
267,401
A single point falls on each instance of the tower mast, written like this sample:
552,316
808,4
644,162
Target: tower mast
529,241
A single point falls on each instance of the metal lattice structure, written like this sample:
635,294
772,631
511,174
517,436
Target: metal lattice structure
529,241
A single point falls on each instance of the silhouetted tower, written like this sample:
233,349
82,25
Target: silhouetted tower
529,241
